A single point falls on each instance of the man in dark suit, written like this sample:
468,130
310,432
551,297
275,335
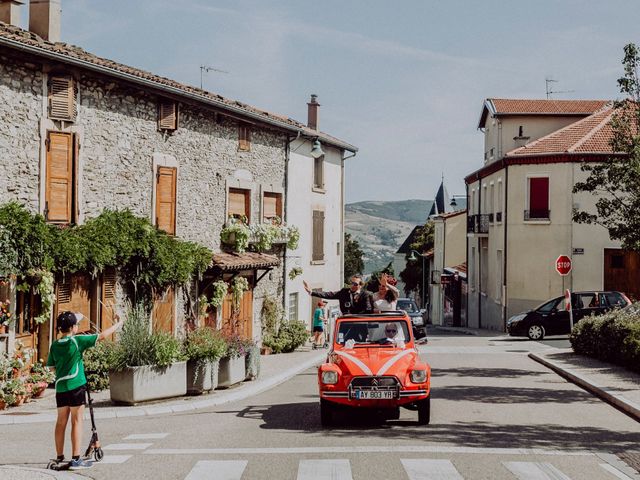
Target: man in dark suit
353,300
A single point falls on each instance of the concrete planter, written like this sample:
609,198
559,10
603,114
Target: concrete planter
138,384
202,376
231,371
253,363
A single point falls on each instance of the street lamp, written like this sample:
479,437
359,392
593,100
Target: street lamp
413,258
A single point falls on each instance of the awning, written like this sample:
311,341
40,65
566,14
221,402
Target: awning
229,262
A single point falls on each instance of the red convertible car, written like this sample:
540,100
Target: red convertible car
374,364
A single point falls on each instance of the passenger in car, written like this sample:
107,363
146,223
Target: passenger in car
386,298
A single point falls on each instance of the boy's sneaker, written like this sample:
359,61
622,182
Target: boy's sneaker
80,464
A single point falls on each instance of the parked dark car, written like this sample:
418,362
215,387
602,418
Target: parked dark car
552,317
415,314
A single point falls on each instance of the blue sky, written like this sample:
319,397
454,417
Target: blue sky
402,80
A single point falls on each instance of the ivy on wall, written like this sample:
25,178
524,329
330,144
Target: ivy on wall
146,257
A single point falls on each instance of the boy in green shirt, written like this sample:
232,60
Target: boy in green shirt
65,356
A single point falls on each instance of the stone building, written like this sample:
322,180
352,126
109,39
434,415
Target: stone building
82,133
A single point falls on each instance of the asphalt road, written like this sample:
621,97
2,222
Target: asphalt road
496,414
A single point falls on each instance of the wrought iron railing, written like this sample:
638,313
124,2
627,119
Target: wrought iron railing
537,214
478,223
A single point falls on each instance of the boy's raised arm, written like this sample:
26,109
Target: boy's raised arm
107,333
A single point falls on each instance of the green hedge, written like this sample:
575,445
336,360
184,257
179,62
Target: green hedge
291,335
613,337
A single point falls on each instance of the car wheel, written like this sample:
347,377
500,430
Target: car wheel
424,411
535,332
326,413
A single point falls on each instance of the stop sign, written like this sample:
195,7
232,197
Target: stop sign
563,265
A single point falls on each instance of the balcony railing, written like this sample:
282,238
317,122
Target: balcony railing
537,214
478,223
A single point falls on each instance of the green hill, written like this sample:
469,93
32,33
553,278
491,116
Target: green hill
381,227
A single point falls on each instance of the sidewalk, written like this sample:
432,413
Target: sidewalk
274,369
614,384
25,473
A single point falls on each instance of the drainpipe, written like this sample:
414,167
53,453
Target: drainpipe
479,244
287,156
466,186
505,247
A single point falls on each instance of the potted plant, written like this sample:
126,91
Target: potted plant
6,398
232,368
236,234
145,365
18,391
203,348
40,378
5,316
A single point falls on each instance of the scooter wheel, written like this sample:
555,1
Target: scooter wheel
98,454
50,465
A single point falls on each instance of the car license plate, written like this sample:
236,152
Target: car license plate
374,395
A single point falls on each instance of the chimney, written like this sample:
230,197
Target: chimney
10,11
312,116
44,19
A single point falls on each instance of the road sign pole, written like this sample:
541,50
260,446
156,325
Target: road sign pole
569,303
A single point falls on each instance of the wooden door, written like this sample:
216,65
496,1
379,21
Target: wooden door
243,325
163,315
622,272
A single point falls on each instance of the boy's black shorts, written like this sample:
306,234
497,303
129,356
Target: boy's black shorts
72,398
318,329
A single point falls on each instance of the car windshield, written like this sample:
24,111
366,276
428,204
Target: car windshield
408,306
373,332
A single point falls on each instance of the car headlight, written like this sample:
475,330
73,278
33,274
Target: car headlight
516,319
417,320
329,378
418,376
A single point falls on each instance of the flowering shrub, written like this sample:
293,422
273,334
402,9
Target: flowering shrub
204,344
290,336
40,373
97,363
237,346
295,272
5,314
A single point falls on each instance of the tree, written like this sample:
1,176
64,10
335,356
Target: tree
353,262
412,276
616,181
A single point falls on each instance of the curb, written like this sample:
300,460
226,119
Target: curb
609,395
462,330
222,397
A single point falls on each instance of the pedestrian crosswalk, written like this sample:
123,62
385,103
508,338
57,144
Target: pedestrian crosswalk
412,468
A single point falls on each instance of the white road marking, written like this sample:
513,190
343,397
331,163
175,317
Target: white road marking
535,471
365,449
115,458
430,469
127,446
334,469
146,436
615,472
218,469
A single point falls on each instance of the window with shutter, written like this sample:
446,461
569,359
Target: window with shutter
62,97
318,236
239,204
538,198
75,294
60,178
167,115
318,172
166,185
108,300
244,138
272,206
163,313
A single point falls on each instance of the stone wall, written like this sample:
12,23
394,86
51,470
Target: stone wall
119,141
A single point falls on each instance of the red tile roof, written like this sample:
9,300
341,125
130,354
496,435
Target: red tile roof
243,261
25,41
589,135
514,106
451,214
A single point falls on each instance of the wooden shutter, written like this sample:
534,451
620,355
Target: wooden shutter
318,172
74,294
60,178
239,203
539,197
318,235
272,206
167,115
244,138
108,300
166,199
163,318
62,98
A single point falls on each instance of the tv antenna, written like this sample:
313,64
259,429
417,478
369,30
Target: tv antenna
206,68
548,81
